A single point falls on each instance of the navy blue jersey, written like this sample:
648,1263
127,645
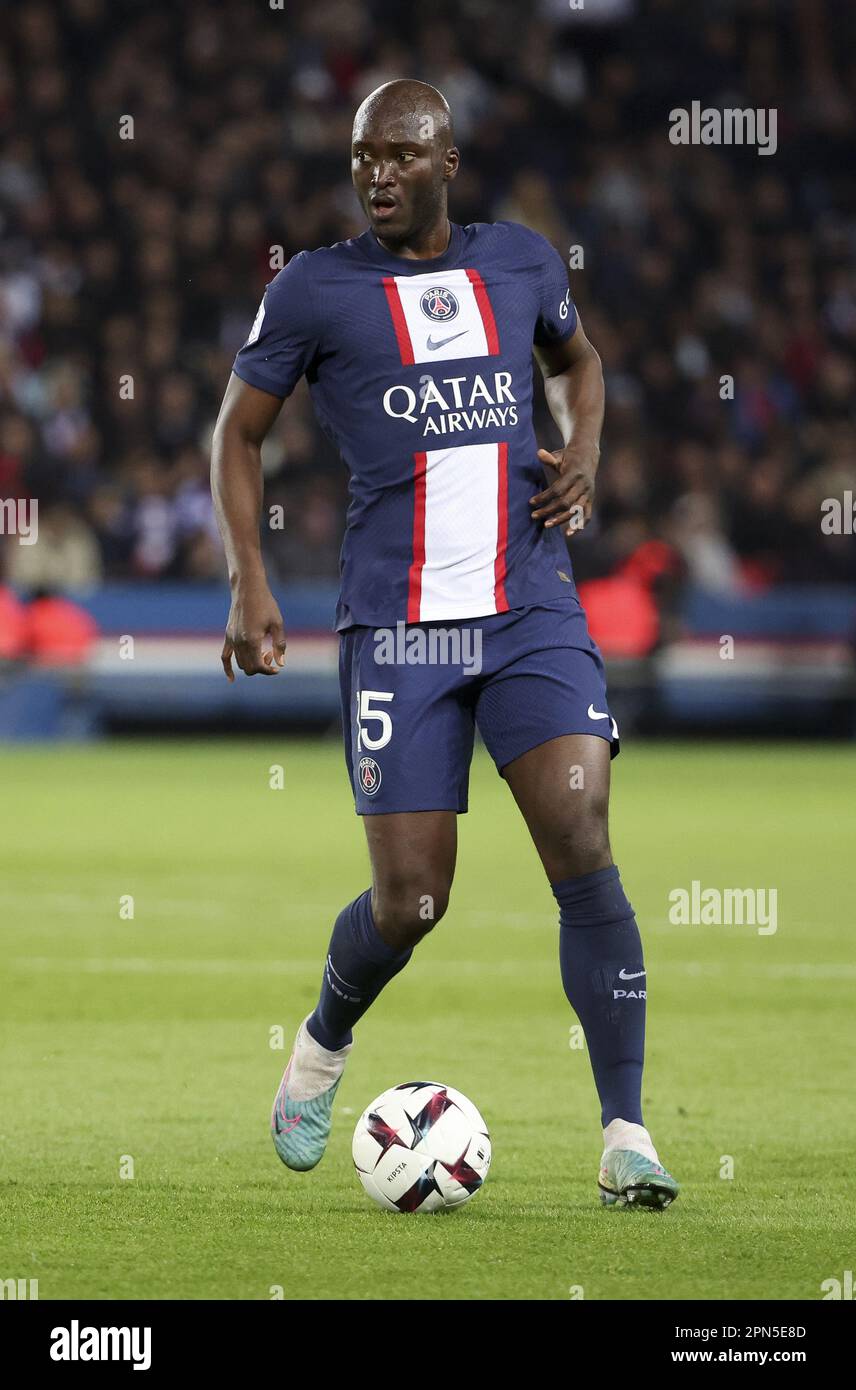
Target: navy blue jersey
421,374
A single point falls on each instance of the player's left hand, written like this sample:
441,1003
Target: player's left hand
567,501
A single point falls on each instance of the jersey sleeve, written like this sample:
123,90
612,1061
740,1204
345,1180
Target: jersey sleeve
557,317
284,337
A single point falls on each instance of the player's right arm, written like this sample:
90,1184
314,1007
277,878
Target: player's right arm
254,632
281,345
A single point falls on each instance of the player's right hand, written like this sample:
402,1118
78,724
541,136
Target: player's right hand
255,635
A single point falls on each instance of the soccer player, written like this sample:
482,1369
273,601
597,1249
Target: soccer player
416,339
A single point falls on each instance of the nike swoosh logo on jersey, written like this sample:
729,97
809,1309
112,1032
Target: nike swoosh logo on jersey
623,975
432,346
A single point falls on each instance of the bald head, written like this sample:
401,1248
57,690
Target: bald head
402,160
406,101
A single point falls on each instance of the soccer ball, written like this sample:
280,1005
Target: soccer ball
421,1146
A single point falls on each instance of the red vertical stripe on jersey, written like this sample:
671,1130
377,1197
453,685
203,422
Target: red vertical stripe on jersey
402,333
414,586
487,318
501,529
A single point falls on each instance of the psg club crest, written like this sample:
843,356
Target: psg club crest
369,775
439,305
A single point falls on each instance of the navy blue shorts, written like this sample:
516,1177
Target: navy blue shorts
413,694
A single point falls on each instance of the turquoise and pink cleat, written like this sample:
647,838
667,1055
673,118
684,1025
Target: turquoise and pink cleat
303,1110
631,1175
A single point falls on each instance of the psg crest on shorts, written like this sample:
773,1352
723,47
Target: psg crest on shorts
369,775
439,304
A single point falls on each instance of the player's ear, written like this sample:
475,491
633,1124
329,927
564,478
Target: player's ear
451,163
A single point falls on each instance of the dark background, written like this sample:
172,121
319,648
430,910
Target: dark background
149,256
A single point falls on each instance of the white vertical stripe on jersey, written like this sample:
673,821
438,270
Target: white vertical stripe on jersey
441,340
462,532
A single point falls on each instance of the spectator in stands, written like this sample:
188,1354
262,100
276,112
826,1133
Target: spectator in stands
65,557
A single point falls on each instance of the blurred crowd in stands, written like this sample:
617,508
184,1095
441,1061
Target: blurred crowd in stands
142,260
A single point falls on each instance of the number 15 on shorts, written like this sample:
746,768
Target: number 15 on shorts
379,720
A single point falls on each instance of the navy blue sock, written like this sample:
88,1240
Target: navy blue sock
359,964
604,977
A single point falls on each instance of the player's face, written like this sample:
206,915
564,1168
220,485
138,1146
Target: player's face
398,173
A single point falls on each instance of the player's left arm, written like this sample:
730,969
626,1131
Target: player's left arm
573,385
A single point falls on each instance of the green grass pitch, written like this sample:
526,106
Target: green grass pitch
149,1038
